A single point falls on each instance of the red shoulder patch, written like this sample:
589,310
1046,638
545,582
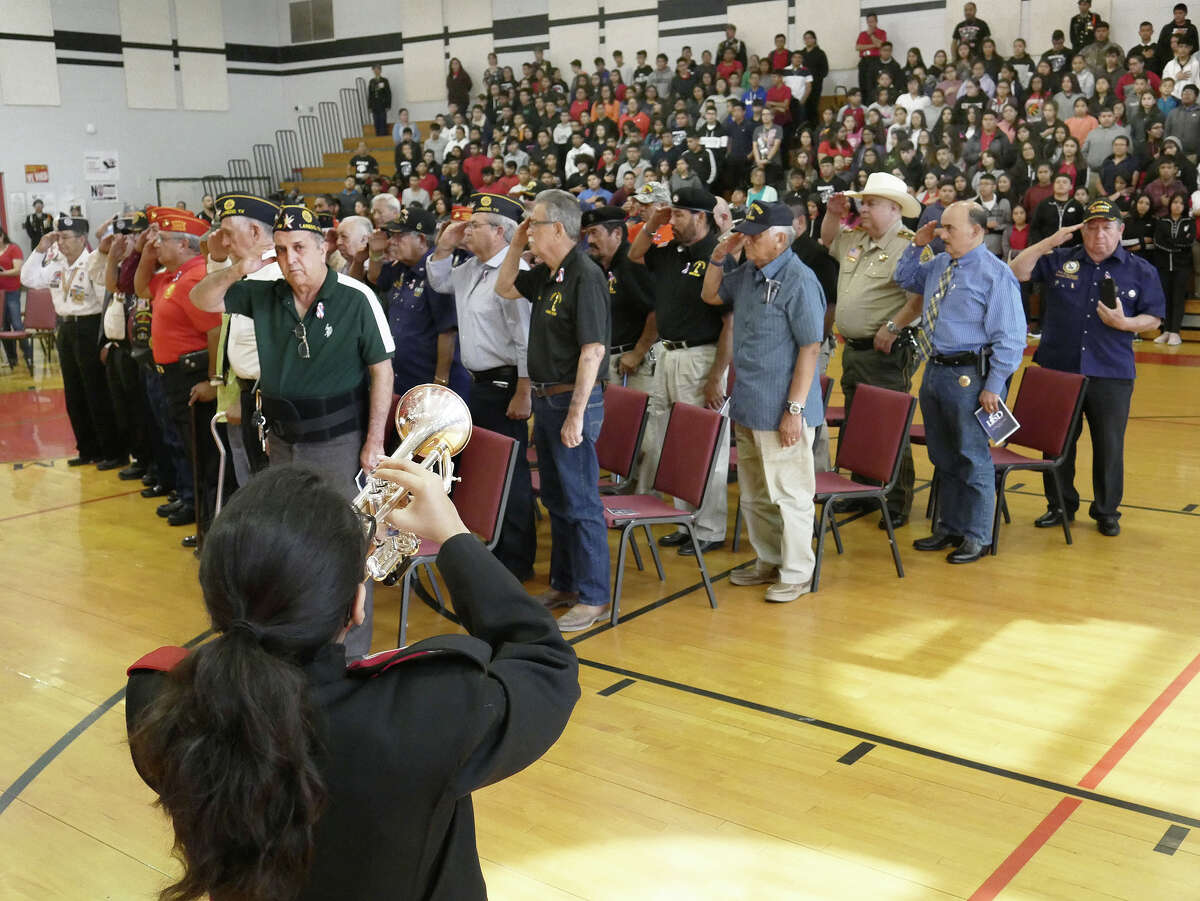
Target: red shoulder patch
374,664
163,660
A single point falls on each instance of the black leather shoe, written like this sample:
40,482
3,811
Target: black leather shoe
968,552
131,472
154,491
148,480
189,541
113,463
898,520
81,460
184,515
1108,526
705,547
165,510
675,539
1052,517
937,542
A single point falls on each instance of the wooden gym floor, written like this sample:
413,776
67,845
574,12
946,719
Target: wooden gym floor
1024,727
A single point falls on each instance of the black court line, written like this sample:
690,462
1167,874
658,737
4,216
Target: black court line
855,753
964,762
615,687
1124,506
35,769
1189,508
1171,840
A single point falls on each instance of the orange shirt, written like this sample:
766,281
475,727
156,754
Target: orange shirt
662,237
177,327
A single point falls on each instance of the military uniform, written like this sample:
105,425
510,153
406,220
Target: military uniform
868,298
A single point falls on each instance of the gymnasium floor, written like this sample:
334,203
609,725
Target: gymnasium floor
1024,727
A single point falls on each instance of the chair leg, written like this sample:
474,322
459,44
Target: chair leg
932,502
437,590
887,520
1001,478
622,545
653,545
637,555
1004,508
821,526
737,528
837,533
405,592
712,598
1058,496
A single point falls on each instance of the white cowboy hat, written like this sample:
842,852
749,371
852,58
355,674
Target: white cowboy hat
889,187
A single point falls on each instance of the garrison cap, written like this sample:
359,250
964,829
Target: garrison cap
72,224
131,223
297,218
173,222
498,204
248,205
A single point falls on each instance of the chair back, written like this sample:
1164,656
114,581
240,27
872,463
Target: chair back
485,467
1047,407
692,437
39,310
874,433
621,434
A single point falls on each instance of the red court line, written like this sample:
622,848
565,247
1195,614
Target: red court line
1041,833
90,500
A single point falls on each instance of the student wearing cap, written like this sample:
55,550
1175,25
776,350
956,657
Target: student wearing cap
697,345
325,353
245,230
778,324
423,321
184,342
650,197
1081,334
78,299
493,336
630,297
570,330
869,300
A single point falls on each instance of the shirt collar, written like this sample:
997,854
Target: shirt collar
887,236
494,262
773,268
974,255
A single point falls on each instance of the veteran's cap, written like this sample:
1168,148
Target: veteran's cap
297,218
1102,209
697,200
173,222
762,216
498,204
72,224
248,205
412,220
653,192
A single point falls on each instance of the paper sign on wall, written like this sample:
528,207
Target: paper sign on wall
101,165
37,174
104,191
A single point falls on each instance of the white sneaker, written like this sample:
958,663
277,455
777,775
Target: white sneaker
1175,340
782,592
552,597
1163,338
581,616
759,574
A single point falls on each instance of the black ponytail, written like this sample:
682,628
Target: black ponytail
230,742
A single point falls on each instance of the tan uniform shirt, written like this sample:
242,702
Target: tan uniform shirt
867,295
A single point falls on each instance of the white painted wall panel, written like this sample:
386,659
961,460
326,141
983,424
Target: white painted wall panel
757,24
28,74
203,81
835,33
1003,18
425,71
145,21
472,53
631,35
149,79
26,17
198,23
568,42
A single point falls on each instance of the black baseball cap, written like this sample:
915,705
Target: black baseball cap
762,216
413,219
131,223
1102,209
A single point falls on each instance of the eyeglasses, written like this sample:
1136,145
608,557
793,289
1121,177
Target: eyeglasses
533,222
300,333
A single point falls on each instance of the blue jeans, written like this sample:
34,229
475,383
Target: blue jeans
958,447
12,323
579,559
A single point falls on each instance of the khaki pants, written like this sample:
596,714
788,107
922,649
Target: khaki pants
778,484
680,376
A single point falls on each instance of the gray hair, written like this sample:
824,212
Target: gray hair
192,241
977,215
562,207
507,226
786,230
386,200
361,223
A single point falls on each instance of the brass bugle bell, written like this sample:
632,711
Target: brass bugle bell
434,424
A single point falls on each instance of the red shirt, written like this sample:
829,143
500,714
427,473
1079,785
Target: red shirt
429,183
864,36
177,326
781,94
730,71
8,259
1018,238
641,120
780,59
473,166
504,184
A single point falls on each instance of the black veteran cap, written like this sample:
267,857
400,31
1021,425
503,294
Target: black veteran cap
762,216
602,214
697,200
1102,209
131,223
72,224
413,220
245,205
498,204
297,218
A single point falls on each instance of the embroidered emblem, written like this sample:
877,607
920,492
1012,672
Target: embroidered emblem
555,300
1071,267
328,330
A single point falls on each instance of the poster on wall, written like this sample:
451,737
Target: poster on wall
106,191
49,201
37,174
101,165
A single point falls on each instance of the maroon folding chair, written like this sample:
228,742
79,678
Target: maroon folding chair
40,319
485,469
689,445
870,446
1048,406
625,413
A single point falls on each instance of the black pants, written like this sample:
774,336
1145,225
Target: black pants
129,403
202,456
1177,288
86,388
1106,408
380,116
517,548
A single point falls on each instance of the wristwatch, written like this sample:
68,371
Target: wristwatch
892,327
794,408
216,382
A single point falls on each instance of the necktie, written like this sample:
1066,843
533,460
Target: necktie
925,332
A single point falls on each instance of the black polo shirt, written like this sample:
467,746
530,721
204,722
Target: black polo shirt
678,278
631,294
570,309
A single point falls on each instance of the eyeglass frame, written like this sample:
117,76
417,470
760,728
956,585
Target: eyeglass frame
300,333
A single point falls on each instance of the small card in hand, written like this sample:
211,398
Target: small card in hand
999,425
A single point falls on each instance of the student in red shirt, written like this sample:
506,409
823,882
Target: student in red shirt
10,288
867,45
780,56
730,68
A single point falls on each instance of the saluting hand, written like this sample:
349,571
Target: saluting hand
925,233
47,241
452,235
730,244
521,235
378,241
251,264
838,206
1063,235
660,217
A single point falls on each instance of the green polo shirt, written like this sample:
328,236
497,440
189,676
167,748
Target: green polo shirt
345,328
